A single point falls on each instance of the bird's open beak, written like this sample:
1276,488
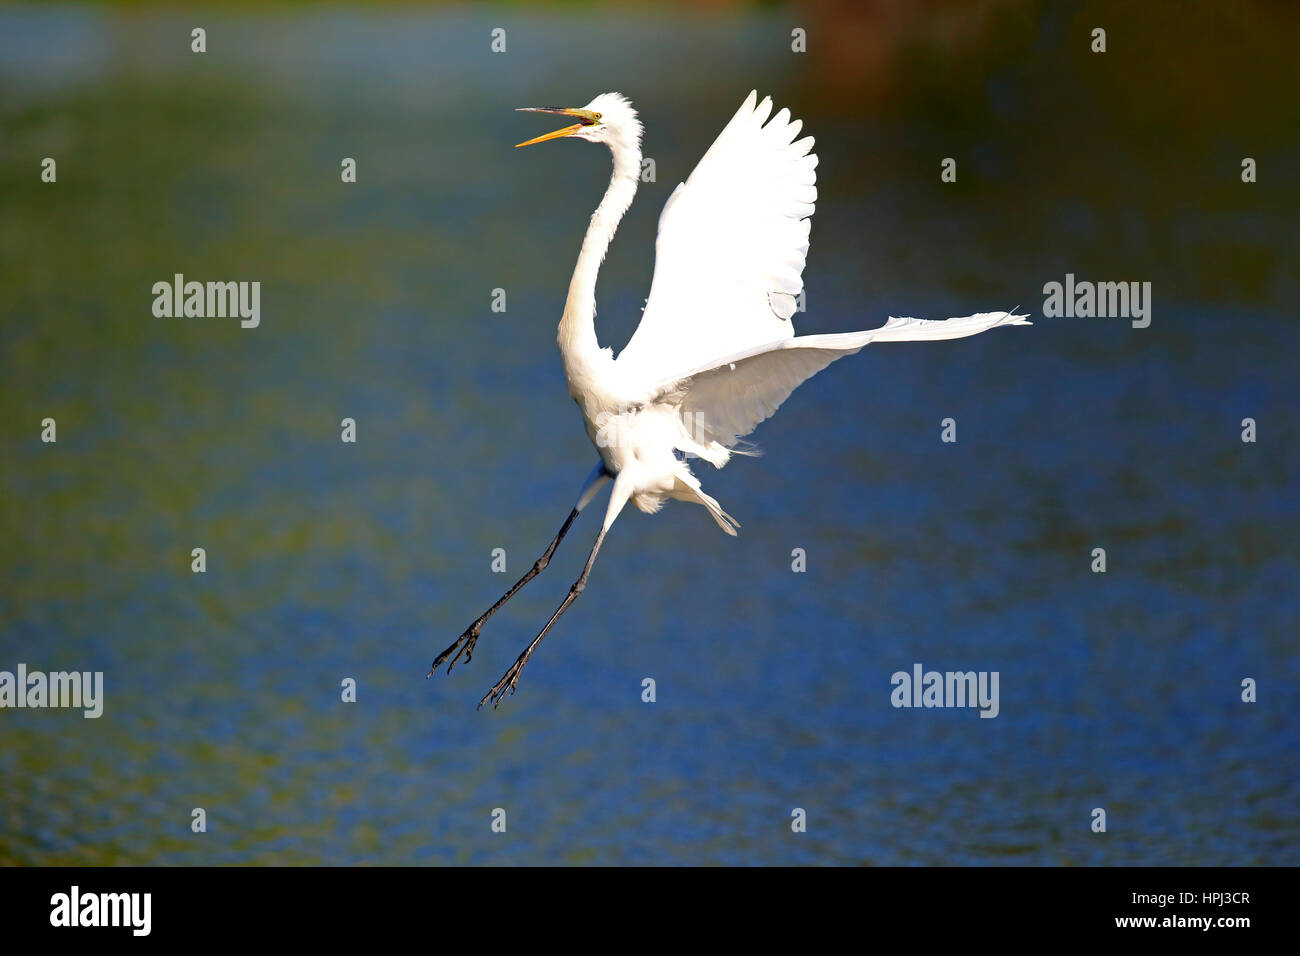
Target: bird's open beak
584,117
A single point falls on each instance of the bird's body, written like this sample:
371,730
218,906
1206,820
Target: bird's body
715,353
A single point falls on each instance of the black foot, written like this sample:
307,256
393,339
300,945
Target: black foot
462,645
509,680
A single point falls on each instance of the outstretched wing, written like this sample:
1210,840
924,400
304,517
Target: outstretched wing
726,401
732,242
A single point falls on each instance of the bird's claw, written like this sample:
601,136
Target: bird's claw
462,645
509,681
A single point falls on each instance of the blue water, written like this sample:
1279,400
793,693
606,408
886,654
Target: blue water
329,561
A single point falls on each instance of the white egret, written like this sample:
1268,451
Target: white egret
715,352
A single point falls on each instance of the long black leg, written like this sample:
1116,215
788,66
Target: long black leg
511,677
465,643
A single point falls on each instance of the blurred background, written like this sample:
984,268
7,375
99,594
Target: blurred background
329,560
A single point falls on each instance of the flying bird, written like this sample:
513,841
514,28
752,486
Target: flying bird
715,353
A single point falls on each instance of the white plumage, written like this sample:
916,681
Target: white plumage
715,353
732,243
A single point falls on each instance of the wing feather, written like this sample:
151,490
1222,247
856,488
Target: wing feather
731,247
721,404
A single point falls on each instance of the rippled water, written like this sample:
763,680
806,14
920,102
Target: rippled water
328,560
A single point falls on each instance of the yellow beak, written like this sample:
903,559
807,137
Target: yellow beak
587,119
567,131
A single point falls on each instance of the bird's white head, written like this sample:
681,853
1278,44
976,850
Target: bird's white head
609,118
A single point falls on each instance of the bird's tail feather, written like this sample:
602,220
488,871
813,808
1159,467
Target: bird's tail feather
691,490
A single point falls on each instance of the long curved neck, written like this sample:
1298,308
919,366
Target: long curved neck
577,332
